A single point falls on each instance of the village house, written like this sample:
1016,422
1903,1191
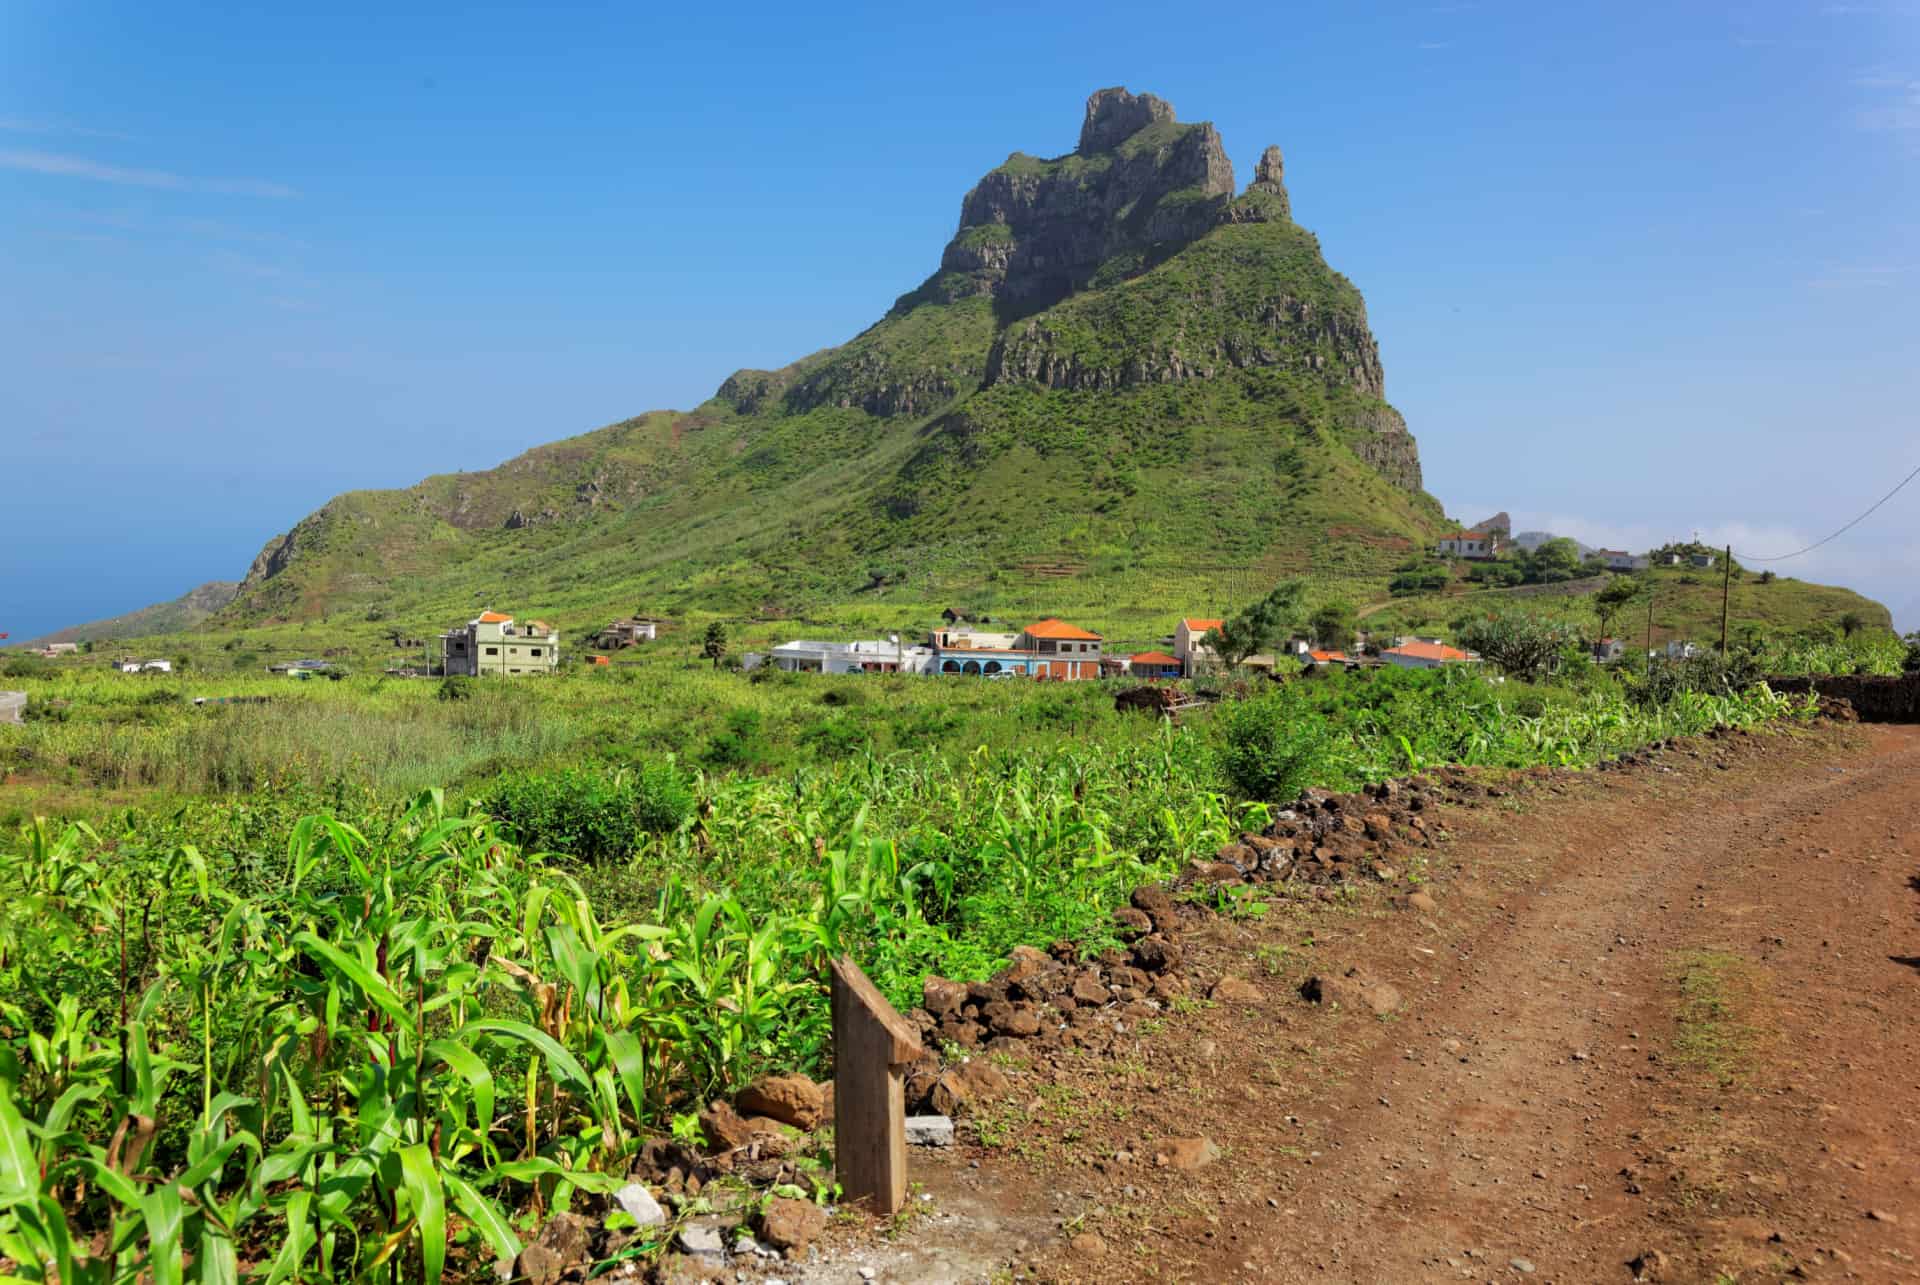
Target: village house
1421,653
1155,666
1608,650
1620,560
1049,649
1190,646
627,633
888,656
59,649
492,643
1701,559
1475,543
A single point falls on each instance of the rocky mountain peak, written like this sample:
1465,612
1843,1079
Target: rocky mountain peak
1114,116
1034,230
1269,179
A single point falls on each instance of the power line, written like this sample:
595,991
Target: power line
1782,557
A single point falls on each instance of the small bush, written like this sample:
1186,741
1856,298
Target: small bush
454,687
1269,752
589,814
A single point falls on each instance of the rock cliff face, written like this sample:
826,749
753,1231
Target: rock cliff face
1033,231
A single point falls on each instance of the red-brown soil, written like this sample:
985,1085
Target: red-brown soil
1664,1016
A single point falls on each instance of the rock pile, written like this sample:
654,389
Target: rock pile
1327,838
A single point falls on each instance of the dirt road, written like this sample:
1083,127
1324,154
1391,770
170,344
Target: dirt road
1662,1023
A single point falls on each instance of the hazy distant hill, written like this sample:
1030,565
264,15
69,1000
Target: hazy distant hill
189,609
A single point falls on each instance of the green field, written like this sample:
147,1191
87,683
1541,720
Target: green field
351,1022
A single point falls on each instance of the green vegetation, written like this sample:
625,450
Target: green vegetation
298,1014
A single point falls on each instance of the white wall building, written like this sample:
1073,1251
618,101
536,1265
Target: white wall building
882,656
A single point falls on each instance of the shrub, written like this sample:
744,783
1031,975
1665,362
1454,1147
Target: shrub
662,796
1268,751
589,814
1522,645
454,687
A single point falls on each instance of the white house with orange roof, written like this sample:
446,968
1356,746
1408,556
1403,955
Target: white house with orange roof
1420,653
1188,644
1048,649
491,643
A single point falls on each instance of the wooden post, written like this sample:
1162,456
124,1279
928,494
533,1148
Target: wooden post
872,1046
1726,596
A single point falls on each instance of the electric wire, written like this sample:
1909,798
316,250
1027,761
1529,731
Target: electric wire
1782,557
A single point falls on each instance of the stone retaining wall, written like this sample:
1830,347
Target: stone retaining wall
1875,698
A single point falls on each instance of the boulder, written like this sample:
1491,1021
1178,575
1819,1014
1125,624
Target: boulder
1354,991
791,1224
561,1245
929,1131
1235,990
941,997
790,1099
1187,1153
1132,922
724,1128
1156,954
1157,905
639,1204
1005,1018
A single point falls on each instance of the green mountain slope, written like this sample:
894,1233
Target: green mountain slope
1124,373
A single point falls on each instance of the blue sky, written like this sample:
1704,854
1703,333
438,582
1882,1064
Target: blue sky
1635,270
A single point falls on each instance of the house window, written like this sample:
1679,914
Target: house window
950,667
1046,647
992,667
535,652
493,651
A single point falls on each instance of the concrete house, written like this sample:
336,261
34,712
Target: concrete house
1050,649
627,633
492,643
1155,666
1619,560
1608,650
1419,653
882,656
1062,650
1480,542
1194,654
1702,559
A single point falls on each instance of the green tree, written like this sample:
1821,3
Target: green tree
1613,596
182,662
1852,623
1254,629
714,647
1522,645
1333,624
1556,560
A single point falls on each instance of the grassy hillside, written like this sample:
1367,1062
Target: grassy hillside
1189,407
1686,605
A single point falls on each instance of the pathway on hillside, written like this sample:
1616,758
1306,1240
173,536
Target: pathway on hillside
1560,589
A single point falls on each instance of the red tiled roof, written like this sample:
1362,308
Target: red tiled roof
1051,628
1325,656
493,618
1155,658
1198,626
1429,651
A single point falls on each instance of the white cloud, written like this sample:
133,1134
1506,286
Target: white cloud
28,125
59,163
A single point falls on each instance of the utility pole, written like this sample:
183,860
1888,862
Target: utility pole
1726,594
1649,626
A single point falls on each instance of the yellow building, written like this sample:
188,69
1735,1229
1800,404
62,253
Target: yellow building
492,643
